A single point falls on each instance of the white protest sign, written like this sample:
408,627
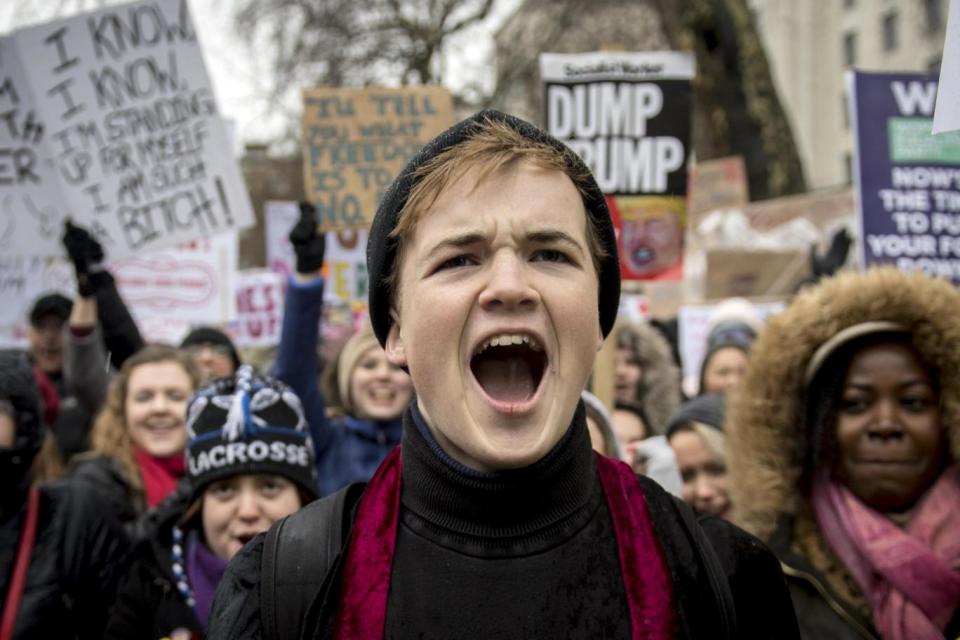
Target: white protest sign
279,217
22,280
132,127
346,269
31,205
193,282
692,325
946,116
259,296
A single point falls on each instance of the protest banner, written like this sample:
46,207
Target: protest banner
356,141
946,116
693,322
907,178
823,208
259,296
717,184
628,116
279,216
743,273
193,282
131,126
32,208
22,280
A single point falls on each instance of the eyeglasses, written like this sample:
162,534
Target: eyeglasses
219,349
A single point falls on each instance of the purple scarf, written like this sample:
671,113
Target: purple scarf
204,570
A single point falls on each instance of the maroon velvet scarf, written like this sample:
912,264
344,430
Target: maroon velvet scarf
362,612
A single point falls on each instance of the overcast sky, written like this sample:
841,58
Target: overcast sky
235,73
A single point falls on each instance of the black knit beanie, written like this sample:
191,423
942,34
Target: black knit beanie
382,249
707,409
212,335
248,424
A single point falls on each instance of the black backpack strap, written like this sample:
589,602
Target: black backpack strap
719,584
298,552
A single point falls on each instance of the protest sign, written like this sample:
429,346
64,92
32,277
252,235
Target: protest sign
907,179
628,116
693,322
259,296
357,140
823,208
346,269
22,280
193,282
32,209
717,184
279,216
131,126
946,116
744,273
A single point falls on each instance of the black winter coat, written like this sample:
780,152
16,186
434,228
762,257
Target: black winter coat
78,557
149,606
103,476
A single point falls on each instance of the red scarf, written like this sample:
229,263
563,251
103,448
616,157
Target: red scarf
362,612
160,475
910,576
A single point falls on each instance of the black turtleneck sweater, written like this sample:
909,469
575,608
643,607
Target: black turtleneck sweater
527,553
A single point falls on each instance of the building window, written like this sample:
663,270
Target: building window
848,4
845,110
850,48
933,66
932,15
848,164
890,25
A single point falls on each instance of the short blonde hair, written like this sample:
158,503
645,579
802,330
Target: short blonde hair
491,147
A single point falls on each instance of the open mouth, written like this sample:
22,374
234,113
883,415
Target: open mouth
509,367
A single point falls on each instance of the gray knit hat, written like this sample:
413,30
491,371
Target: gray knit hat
382,249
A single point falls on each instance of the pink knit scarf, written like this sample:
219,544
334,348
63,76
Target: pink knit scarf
910,576
362,611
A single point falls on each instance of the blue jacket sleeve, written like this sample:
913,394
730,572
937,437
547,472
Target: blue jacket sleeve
297,360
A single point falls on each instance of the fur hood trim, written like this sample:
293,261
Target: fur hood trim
659,387
766,416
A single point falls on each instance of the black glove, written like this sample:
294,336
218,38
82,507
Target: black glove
307,243
834,258
85,252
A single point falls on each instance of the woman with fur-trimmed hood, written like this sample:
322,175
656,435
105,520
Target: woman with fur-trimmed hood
646,373
843,444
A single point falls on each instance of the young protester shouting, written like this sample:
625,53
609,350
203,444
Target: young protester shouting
843,448
139,437
494,280
61,554
231,498
355,417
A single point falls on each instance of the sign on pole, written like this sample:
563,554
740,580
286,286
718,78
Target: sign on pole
356,141
628,116
907,178
131,128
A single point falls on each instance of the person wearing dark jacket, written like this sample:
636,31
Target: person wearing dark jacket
843,450
494,280
76,553
189,539
139,437
355,420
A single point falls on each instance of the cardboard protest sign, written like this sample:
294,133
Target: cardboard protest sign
717,184
259,296
357,140
32,208
693,322
742,273
628,116
193,282
131,126
946,116
823,208
907,179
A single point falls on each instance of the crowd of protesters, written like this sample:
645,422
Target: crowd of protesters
471,486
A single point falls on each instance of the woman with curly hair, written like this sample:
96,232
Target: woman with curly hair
843,444
139,437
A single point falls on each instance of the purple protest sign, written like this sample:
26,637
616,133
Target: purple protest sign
907,179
